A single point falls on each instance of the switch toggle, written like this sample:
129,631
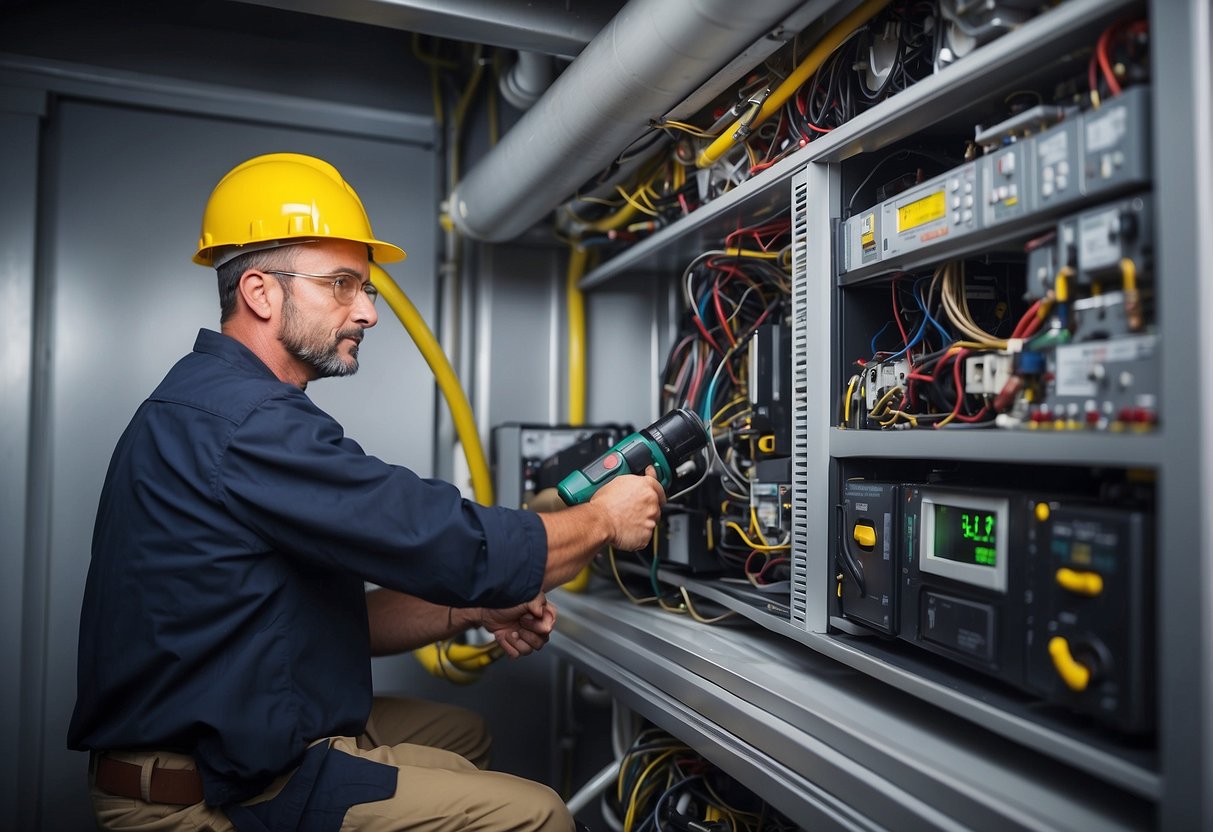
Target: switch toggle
1075,674
864,535
1080,582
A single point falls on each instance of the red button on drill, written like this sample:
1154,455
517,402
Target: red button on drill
610,461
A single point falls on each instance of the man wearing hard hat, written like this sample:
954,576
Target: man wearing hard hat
225,638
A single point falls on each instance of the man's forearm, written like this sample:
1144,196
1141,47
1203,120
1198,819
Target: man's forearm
400,622
574,535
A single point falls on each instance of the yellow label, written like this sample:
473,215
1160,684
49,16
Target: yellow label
867,231
921,211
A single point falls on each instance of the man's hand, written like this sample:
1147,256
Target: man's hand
632,506
523,629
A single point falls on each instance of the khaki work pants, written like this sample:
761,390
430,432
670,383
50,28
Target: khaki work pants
436,750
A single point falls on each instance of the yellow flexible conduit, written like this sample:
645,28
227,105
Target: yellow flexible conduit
578,257
448,382
576,312
833,39
459,663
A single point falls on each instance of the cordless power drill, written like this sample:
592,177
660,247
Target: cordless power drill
663,444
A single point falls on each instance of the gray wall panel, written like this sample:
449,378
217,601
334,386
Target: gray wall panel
626,342
521,343
18,182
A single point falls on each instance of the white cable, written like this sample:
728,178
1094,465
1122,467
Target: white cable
594,787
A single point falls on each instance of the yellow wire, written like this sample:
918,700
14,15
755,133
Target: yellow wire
738,400
631,201
749,252
901,413
685,128
760,547
619,580
754,524
461,110
775,101
691,609
884,400
846,407
630,817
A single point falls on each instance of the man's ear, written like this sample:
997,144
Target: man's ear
255,288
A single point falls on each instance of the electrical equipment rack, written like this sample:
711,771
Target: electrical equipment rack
1169,778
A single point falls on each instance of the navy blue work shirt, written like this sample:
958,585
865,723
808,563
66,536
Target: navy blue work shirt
224,614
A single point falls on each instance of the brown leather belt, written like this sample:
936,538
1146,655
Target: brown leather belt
182,787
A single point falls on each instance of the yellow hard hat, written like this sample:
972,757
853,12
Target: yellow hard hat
279,198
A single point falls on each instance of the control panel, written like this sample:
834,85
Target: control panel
1048,593
1090,156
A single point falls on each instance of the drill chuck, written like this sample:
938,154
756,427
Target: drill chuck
679,434
663,444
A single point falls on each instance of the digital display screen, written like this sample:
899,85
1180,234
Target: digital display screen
922,211
966,535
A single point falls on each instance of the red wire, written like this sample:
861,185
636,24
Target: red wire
905,339
724,321
981,414
1027,319
1101,50
693,390
704,332
960,396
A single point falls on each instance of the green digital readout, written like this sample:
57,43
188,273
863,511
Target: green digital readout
966,535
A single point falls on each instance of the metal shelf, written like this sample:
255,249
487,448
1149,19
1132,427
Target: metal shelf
984,703
829,746
1011,446
930,101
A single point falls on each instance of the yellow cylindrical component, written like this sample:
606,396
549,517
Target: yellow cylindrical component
1128,274
1080,582
448,382
576,351
578,257
824,48
1075,674
1061,284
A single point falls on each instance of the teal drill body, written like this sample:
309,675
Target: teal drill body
663,444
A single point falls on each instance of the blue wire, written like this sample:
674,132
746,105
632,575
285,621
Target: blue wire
922,305
872,343
707,401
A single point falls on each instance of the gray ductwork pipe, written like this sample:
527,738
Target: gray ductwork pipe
644,62
527,80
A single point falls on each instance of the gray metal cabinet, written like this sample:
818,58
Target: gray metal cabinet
1154,783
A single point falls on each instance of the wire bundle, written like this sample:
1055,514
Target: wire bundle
665,785
839,90
729,293
931,390
778,110
1121,47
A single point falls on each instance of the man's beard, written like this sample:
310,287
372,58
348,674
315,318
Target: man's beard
314,346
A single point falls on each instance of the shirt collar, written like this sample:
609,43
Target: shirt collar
230,351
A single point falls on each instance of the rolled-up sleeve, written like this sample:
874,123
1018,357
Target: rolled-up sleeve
288,474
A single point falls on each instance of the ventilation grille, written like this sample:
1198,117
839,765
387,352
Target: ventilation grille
800,407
